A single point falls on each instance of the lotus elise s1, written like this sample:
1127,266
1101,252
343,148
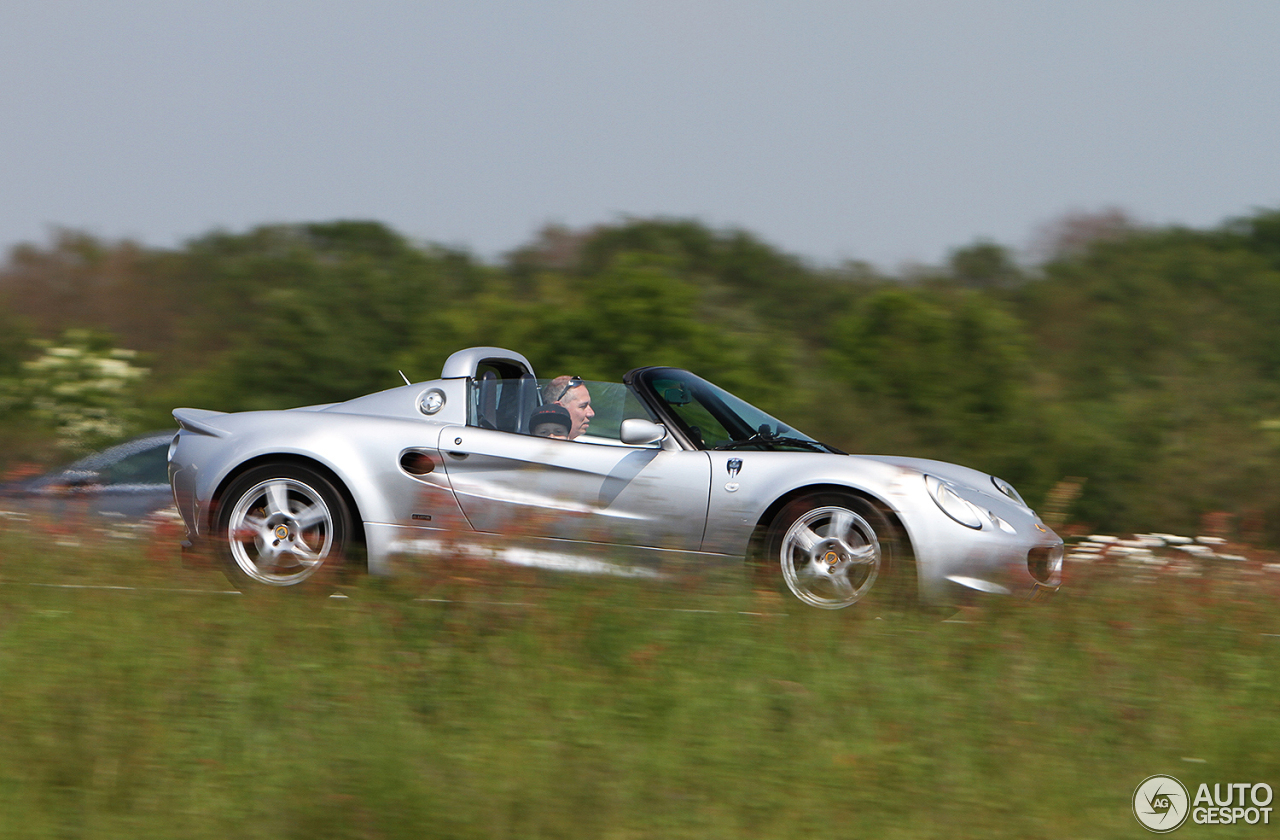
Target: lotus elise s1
660,468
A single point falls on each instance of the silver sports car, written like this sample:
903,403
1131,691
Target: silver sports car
568,473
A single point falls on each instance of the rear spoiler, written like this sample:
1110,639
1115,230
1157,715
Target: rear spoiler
197,420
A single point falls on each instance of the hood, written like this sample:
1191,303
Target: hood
938,469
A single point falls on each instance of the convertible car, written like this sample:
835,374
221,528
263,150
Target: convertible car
640,476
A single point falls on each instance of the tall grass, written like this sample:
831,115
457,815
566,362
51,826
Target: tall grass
474,702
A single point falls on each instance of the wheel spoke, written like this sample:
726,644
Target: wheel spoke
806,540
247,533
303,551
810,571
278,498
863,556
311,516
265,560
841,522
840,582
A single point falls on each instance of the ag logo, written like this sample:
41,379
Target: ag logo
1160,803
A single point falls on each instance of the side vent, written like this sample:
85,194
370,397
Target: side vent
417,463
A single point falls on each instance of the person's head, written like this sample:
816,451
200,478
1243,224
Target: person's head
551,421
571,392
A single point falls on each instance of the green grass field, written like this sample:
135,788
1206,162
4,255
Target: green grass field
488,703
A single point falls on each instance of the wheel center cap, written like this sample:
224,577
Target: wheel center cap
282,532
831,558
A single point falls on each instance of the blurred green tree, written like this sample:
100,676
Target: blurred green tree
984,265
956,365
638,309
313,313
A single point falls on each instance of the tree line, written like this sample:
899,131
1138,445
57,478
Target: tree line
1131,376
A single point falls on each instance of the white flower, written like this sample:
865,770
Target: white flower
80,391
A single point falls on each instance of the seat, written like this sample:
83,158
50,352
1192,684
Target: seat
487,410
527,401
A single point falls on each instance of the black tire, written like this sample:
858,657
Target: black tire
832,550
280,526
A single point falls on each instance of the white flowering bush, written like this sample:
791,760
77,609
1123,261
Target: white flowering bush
81,386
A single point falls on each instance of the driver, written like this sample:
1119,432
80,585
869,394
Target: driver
571,392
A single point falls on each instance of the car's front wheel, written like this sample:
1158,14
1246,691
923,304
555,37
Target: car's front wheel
833,549
279,525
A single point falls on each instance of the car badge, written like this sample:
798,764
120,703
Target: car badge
733,466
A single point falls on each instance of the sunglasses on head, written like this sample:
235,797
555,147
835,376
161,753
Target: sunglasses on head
574,382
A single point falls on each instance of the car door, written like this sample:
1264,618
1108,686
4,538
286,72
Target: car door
522,485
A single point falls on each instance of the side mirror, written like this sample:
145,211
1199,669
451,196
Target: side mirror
638,432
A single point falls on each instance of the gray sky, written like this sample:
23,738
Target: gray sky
835,129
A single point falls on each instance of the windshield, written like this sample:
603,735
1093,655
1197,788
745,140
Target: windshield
713,418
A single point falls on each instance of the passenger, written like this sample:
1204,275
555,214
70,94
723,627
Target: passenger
571,392
551,421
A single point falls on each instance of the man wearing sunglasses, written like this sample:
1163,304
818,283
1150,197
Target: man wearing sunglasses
571,392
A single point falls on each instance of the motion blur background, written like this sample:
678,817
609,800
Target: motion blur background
1039,242
1039,239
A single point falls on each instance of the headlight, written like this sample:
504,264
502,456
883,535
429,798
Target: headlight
173,447
1007,489
952,505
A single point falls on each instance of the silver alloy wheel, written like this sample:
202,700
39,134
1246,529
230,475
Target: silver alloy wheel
830,557
280,531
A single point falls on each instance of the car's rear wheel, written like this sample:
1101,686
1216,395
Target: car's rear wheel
279,525
833,549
